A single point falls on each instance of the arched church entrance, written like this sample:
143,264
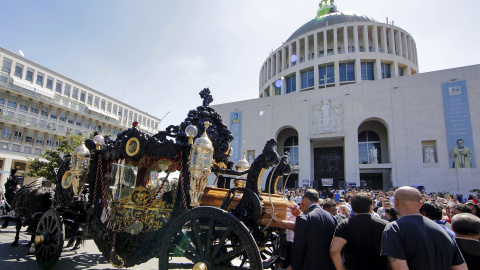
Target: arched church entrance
373,155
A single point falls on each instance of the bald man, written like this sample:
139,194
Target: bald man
416,242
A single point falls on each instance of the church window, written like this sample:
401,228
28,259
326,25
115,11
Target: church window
366,140
291,146
367,71
347,71
307,78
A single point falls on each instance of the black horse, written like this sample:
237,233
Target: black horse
27,202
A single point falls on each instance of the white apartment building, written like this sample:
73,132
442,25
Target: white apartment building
37,105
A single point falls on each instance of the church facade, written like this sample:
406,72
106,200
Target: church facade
344,97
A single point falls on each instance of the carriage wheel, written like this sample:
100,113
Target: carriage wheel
209,238
49,239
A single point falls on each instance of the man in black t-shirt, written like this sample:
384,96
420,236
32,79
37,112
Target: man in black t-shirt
361,236
416,242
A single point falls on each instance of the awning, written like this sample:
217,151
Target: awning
102,112
32,88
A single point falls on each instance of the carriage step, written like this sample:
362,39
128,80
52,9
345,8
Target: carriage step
268,263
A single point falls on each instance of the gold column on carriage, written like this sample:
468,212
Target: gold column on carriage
201,157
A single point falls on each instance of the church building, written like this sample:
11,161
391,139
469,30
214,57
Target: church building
343,95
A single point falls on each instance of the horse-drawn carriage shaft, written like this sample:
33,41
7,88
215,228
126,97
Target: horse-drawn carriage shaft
122,194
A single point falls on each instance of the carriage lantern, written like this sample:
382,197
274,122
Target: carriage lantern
242,165
80,159
79,167
99,140
201,157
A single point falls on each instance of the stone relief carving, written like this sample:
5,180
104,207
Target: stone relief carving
327,116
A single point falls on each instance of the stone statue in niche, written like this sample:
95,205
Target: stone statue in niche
429,154
374,154
326,116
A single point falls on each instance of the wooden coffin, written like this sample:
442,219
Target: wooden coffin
215,196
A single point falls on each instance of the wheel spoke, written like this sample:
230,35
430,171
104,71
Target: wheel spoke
198,236
190,256
211,226
221,243
230,255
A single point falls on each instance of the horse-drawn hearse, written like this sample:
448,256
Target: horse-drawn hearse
121,194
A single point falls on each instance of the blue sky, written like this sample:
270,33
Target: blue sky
157,55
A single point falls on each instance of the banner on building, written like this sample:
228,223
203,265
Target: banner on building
351,185
327,182
236,129
306,182
458,125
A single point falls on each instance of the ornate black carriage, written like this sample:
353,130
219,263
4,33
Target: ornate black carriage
122,193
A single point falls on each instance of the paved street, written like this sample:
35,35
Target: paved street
87,257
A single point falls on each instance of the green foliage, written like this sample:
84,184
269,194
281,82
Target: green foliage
476,191
38,168
442,194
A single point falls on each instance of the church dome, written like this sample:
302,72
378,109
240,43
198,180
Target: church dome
329,19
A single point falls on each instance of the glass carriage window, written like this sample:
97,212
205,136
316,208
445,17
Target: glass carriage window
326,73
133,184
347,71
386,71
367,71
291,146
307,78
366,140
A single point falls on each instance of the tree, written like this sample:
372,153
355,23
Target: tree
38,168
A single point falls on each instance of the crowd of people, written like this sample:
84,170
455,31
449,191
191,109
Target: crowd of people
398,229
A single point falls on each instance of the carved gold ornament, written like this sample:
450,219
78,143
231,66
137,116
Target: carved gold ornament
132,147
67,179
